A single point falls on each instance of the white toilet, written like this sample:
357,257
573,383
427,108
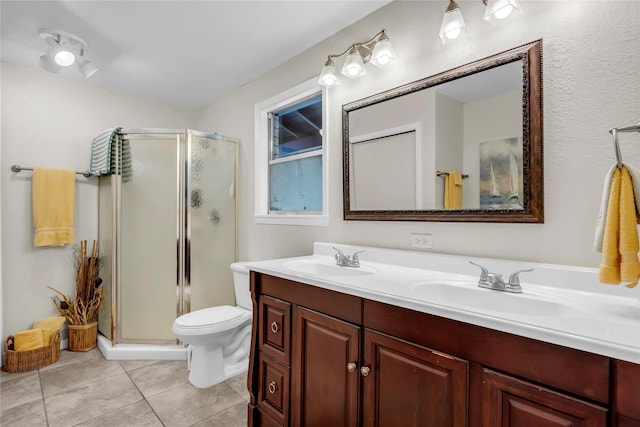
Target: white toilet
219,337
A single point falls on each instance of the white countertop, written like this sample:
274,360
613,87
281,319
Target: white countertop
560,304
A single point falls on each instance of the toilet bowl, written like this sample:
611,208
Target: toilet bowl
219,337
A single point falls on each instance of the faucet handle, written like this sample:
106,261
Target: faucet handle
339,253
354,257
514,280
484,276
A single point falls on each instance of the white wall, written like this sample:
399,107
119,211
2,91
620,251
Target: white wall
590,74
449,143
50,121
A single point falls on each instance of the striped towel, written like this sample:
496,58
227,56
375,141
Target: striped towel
101,152
121,158
111,155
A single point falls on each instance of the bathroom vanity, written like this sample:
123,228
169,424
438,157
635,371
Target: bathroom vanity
390,344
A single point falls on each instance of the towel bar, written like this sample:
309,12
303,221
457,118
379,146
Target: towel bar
440,173
18,168
616,144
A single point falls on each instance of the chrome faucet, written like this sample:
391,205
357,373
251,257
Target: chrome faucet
496,282
347,260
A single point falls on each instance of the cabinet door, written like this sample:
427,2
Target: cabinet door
324,393
410,385
509,402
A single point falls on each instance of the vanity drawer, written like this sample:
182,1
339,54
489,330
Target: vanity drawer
275,328
273,392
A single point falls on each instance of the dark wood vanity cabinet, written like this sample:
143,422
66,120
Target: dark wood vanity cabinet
324,358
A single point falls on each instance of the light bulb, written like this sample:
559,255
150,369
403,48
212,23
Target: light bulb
352,71
503,12
452,34
64,58
497,10
329,81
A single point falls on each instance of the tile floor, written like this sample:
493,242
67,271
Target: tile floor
84,389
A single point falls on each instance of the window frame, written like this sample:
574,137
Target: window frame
262,151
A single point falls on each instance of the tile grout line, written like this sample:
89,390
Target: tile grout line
44,403
142,394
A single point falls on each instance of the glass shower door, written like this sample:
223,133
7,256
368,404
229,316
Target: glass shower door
149,245
211,213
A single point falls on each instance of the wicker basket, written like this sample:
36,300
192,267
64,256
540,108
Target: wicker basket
82,337
29,360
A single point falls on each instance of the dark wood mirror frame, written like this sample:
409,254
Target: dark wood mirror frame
532,137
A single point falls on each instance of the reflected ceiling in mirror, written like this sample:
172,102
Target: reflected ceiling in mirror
463,145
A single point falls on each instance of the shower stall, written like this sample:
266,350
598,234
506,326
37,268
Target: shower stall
167,231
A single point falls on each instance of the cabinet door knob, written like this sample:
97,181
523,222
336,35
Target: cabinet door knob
275,327
272,387
351,367
365,371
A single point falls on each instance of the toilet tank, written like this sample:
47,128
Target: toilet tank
241,285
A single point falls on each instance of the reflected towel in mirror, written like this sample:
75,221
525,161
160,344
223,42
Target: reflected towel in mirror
453,190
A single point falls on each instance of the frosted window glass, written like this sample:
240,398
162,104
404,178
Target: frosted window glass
296,186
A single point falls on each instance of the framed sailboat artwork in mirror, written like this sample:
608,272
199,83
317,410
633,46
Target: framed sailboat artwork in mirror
501,174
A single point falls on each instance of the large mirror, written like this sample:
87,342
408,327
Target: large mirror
463,145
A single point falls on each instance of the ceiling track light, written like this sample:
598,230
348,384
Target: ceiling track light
65,49
495,10
377,51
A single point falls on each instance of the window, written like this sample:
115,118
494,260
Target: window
291,158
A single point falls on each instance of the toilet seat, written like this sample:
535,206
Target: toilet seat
211,320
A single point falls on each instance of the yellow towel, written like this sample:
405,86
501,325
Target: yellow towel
53,199
620,242
46,335
610,267
629,264
53,322
28,340
453,190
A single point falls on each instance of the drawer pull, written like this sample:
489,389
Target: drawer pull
351,367
365,371
275,327
272,387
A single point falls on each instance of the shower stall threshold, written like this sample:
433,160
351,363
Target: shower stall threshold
140,351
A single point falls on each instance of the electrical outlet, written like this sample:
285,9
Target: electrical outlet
423,241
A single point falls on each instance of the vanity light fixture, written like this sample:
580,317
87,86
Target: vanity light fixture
377,51
65,49
500,9
495,10
452,22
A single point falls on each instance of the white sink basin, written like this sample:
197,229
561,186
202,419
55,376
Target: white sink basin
471,297
321,267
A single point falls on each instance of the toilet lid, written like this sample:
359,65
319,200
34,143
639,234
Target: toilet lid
210,316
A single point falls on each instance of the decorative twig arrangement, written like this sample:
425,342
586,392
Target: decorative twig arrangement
83,308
